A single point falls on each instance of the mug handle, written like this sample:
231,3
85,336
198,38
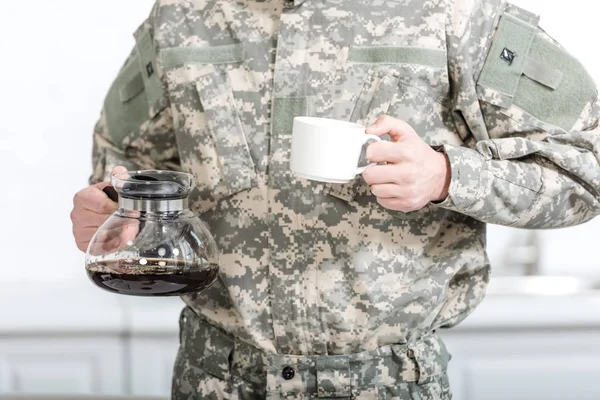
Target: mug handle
368,137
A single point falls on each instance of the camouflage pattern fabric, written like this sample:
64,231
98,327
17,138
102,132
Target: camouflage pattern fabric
311,269
212,364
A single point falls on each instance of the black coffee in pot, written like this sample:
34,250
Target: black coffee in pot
152,277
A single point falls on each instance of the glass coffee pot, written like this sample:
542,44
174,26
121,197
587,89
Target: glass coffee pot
153,245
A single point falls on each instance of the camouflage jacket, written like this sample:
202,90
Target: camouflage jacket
309,268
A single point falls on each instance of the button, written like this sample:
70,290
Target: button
410,353
288,373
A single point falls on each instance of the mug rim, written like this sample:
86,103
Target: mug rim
321,178
314,121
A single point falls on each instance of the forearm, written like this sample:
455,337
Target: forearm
552,186
531,149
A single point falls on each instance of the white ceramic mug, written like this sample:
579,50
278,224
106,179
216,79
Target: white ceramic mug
327,150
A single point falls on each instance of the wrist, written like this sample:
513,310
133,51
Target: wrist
443,178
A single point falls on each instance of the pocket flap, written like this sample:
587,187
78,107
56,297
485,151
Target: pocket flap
542,73
177,56
225,126
397,55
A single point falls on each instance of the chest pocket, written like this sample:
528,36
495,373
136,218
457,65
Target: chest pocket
412,89
529,80
209,132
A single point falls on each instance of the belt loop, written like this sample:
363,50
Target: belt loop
333,377
217,353
418,353
205,344
430,357
182,321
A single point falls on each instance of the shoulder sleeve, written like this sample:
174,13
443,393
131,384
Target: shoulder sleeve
135,128
528,113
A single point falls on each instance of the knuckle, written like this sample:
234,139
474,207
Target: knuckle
76,221
413,204
413,194
105,208
386,118
373,150
410,176
408,193
80,196
77,198
77,235
368,176
381,118
404,207
375,190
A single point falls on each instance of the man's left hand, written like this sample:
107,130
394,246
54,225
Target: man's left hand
414,174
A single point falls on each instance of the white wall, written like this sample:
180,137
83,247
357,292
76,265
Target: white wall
56,62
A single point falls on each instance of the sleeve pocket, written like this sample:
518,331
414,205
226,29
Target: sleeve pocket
525,71
137,94
126,105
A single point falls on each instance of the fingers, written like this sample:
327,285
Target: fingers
130,231
94,199
91,208
378,174
411,176
89,219
403,205
385,152
402,174
83,236
116,237
396,187
117,170
386,191
82,245
402,145
85,233
398,130
112,245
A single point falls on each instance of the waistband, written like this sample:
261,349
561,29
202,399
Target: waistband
221,355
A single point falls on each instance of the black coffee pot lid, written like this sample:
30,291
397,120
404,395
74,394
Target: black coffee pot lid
153,184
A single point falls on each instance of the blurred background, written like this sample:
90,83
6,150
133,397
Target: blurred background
536,336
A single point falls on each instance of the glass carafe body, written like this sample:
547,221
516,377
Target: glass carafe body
153,245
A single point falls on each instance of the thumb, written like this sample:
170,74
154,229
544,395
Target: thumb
116,170
399,130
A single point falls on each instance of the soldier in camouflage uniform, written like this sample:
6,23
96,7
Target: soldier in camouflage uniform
336,290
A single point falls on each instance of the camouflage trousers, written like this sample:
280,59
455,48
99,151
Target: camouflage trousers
213,365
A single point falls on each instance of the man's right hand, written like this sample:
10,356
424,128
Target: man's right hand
91,208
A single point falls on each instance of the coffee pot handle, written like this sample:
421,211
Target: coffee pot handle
368,137
111,193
